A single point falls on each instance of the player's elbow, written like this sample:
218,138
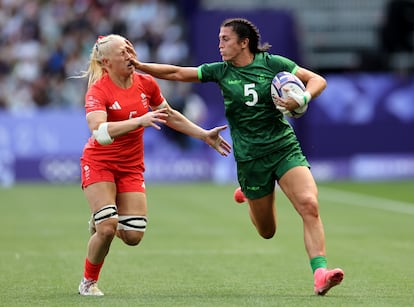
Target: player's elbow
323,82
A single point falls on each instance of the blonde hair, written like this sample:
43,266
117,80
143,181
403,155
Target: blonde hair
100,50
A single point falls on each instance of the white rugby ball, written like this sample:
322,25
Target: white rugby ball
289,81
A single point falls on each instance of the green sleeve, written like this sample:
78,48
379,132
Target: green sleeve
280,63
199,73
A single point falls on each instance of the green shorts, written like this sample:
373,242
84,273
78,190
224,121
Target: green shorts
257,177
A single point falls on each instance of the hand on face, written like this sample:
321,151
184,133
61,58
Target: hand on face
131,50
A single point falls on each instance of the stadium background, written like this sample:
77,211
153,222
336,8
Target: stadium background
359,129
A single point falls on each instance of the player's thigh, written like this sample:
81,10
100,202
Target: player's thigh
132,203
100,194
299,185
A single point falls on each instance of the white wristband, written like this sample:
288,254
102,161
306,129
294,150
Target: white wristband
301,99
306,98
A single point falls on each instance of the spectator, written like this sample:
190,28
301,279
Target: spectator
45,42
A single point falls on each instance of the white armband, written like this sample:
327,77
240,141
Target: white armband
102,135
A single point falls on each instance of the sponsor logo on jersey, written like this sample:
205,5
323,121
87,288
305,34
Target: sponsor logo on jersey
115,106
92,102
144,100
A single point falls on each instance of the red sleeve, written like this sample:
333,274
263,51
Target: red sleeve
95,100
156,96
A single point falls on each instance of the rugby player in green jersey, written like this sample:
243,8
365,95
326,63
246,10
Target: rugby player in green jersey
265,146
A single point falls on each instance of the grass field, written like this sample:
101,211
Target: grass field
201,250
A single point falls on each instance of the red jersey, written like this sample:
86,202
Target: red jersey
127,151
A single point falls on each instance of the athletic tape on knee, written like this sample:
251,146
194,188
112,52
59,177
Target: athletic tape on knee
105,213
131,222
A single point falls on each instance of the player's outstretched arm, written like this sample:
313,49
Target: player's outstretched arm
168,72
212,137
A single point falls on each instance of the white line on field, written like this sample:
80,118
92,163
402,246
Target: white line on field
223,252
361,200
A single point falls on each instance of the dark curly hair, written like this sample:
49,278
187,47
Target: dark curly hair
245,29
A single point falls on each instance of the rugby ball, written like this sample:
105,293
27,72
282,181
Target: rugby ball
287,80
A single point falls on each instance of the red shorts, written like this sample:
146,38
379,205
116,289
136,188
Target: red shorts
125,181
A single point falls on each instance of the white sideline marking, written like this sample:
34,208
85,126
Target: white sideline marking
361,200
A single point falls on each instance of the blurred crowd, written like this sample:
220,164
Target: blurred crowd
44,43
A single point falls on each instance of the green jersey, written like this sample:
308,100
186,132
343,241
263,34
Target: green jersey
256,126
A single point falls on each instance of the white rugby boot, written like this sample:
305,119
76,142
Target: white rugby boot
89,287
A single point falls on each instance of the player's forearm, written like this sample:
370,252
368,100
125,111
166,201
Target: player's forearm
106,132
180,123
169,72
315,86
109,130
119,128
161,71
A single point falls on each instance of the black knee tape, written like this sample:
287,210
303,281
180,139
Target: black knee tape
105,213
132,222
